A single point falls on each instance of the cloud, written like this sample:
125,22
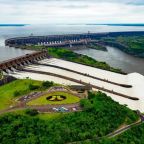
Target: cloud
137,2
71,11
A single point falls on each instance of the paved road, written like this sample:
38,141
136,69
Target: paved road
121,130
41,108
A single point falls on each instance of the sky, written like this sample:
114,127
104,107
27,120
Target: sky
71,11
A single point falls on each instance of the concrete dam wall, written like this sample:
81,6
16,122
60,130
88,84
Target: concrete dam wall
56,40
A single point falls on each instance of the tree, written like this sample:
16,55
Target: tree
33,87
16,93
31,112
47,84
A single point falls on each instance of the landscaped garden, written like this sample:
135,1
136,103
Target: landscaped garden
99,116
13,90
55,98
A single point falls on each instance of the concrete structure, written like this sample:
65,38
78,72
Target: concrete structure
124,95
18,62
126,89
64,40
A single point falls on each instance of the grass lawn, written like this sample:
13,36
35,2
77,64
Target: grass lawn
50,116
7,91
42,116
43,99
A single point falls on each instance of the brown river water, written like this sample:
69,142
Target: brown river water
116,58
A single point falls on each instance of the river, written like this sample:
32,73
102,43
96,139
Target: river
117,59
114,56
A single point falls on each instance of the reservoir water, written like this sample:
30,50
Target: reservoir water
114,56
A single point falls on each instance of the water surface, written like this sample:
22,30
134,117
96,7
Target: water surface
114,56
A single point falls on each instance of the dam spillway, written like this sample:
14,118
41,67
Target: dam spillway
19,62
126,89
131,96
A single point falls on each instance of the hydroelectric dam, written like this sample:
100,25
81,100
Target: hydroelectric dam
126,89
64,40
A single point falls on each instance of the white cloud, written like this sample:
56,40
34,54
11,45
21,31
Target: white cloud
71,11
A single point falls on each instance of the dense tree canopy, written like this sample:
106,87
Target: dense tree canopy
134,135
130,44
101,115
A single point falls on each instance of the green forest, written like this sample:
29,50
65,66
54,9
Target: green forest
100,116
96,46
132,44
134,135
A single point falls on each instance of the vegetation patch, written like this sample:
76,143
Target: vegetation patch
69,55
135,135
96,46
55,98
82,59
101,115
9,92
130,44
31,112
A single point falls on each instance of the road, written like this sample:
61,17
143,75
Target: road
112,134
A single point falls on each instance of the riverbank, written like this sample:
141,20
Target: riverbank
96,46
69,55
115,85
133,45
116,58
81,59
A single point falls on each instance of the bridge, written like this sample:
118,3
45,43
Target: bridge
64,40
18,62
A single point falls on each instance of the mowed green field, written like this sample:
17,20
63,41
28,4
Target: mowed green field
7,97
43,99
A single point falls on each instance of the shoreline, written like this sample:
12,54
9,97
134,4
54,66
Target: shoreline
70,40
123,48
